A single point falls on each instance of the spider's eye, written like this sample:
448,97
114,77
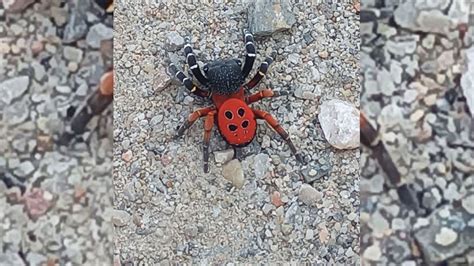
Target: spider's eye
245,124
228,114
232,127
241,112
205,68
238,62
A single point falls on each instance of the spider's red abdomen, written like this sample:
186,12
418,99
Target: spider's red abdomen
236,122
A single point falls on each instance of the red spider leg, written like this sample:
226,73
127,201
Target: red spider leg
369,139
193,117
261,72
187,82
266,93
276,126
208,125
95,104
250,53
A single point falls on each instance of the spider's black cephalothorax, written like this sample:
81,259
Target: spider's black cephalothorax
224,76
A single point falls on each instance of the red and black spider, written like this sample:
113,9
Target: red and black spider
225,78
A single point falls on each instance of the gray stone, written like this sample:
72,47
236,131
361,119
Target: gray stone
340,123
267,208
429,16
76,27
11,258
16,5
120,218
173,41
17,112
12,89
268,16
97,34
24,169
309,195
73,54
444,233
261,165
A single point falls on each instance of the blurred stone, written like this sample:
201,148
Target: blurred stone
16,5
97,34
12,89
467,80
120,218
37,202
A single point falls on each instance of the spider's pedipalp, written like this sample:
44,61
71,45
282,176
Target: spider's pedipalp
187,82
192,63
251,53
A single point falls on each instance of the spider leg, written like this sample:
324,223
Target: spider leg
276,126
250,53
261,72
208,125
187,82
266,93
193,117
192,63
369,138
95,104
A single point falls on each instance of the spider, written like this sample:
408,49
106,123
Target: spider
224,78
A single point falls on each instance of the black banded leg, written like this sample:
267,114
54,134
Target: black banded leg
187,82
208,125
94,104
261,72
250,53
192,63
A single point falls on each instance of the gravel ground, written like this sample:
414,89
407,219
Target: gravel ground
167,208
61,216
417,87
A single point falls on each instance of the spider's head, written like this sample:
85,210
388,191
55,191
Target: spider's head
225,76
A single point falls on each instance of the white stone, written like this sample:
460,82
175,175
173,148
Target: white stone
467,79
340,123
468,204
446,236
223,156
372,253
233,172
